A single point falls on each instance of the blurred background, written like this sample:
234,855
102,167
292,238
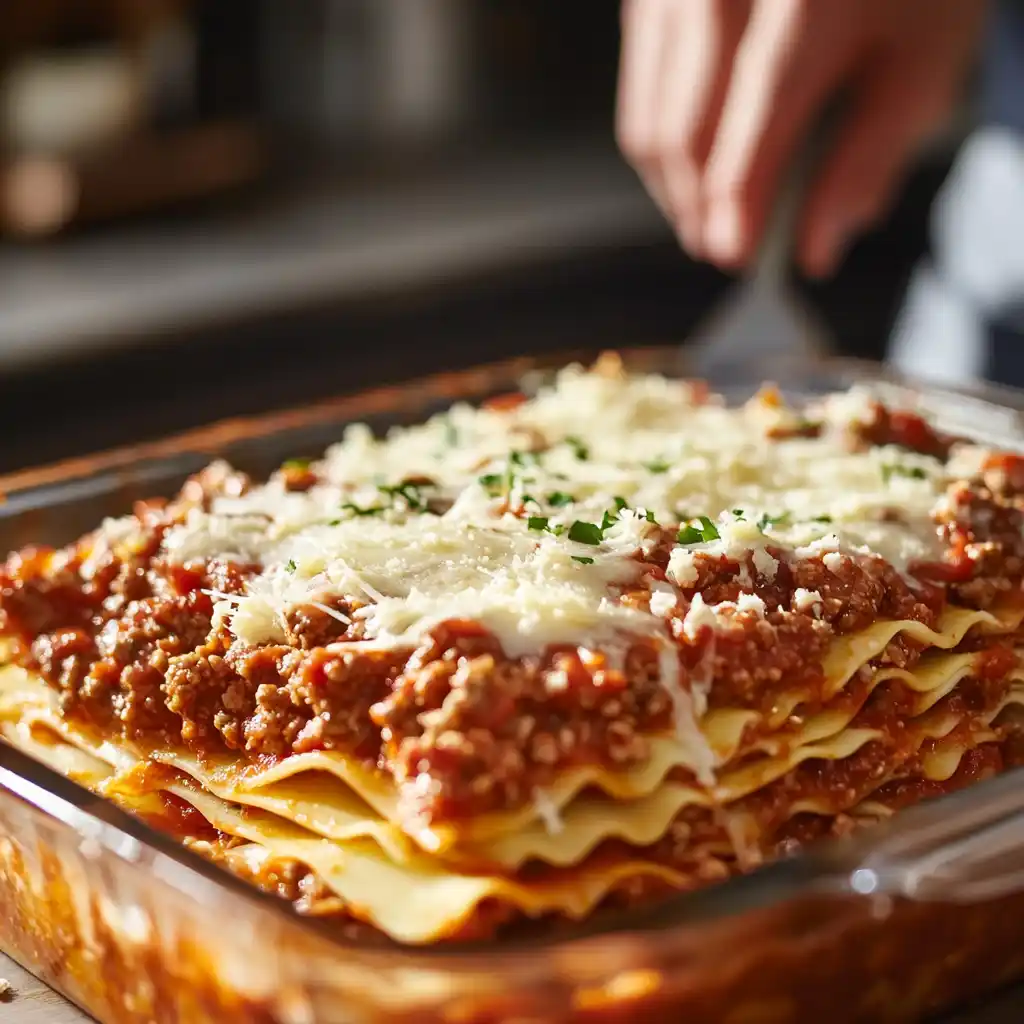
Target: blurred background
224,207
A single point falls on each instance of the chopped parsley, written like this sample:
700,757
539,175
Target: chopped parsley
580,450
766,520
702,530
585,533
559,499
657,466
738,514
518,458
409,492
612,515
491,482
360,510
823,519
583,559
290,565
889,470
502,484
580,531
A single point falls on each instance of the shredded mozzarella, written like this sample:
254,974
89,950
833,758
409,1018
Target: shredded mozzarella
530,520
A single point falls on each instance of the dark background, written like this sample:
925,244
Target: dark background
365,244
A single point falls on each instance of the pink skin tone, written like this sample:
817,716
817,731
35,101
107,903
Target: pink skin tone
716,96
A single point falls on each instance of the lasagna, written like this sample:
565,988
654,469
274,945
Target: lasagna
521,663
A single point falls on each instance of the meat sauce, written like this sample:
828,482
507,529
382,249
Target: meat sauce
131,646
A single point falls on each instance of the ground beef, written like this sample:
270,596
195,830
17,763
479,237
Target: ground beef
131,644
983,529
313,625
134,655
854,593
314,699
487,730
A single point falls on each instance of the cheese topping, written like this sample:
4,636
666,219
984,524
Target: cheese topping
528,520
807,601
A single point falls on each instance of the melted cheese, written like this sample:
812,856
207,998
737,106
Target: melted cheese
528,521
602,440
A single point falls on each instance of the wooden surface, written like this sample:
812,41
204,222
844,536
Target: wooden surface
31,1002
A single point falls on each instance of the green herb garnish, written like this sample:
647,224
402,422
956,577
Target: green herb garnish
657,466
911,472
368,510
585,533
537,522
738,514
583,559
766,520
703,530
290,565
580,450
708,530
823,519
408,492
559,499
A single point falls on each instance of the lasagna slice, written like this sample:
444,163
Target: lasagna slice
522,662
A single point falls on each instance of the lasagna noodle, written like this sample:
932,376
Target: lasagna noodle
417,901
316,790
420,899
322,806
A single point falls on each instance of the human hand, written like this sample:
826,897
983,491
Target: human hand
716,95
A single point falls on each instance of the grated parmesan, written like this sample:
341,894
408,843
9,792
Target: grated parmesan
622,455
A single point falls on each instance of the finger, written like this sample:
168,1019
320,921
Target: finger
698,64
897,110
791,59
645,28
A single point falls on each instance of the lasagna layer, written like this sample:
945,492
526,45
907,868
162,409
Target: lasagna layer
529,660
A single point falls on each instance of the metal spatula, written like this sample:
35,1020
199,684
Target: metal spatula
762,323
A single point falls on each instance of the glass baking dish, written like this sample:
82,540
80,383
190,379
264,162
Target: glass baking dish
915,915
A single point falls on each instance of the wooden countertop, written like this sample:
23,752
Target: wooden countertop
31,1002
